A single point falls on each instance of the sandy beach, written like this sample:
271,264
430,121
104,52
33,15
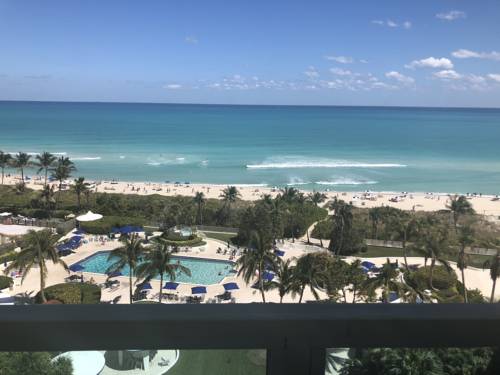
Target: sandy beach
487,205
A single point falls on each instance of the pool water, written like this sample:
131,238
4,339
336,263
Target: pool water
203,271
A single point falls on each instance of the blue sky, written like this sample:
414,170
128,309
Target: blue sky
383,52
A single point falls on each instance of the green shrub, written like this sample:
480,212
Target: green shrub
72,293
190,243
104,225
8,257
5,282
442,278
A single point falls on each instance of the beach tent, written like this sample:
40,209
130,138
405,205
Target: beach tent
170,285
231,286
84,362
89,216
198,290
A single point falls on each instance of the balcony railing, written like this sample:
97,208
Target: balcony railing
294,335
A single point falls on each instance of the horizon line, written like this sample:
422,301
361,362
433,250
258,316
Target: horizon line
247,104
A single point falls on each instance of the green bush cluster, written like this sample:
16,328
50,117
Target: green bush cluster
104,225
442,279
197,241
5,282
72,293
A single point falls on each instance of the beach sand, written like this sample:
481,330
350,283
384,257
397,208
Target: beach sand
487,205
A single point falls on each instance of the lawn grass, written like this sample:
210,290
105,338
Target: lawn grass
220,236
220,362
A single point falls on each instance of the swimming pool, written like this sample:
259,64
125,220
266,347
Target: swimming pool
203,271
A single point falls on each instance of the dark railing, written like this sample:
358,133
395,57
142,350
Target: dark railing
294,335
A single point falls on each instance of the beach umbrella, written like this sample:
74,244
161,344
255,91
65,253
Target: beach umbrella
114,274
230,286
89,216
76,268
268,276
279,253
79,232
198,290
170,285
368,265
146,286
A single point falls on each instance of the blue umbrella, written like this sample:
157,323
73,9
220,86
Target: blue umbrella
170,285
79,232
76,268
146,286
368,265
267,276
279,253
231,286
198,290
114,274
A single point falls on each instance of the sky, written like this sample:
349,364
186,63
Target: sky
335,52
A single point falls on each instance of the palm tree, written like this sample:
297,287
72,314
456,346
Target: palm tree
386,281
127,255
256,260
38,248
465,239
289,194
229,195
47,195
285,282
309,272
63,169
342,224
317,198
44,162
5,160
21,160
494,274
459,205
375,214
199,199
80,187
158,261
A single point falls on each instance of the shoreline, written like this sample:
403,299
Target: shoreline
488,205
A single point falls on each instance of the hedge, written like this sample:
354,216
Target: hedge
72,293
104,225
190,243
442,279
5,282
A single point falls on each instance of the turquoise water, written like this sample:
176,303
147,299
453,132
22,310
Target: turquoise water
342,148
203,271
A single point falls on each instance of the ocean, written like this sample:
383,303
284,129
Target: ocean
336,148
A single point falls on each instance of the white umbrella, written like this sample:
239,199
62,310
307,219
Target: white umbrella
5,214
84,363
89,216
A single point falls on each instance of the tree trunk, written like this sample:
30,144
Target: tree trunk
22,176
3,172
492,298
307,232
463,283
78,200
302,293
431,274
321,242
281,298
46,172
404,250
261,281
130,286
42,283
161,286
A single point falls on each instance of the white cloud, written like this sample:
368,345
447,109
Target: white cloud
340,72
447,75
431,62
452,15
311,72
392,24
191,39
400,77
468,54
494,77
172,86
341,59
